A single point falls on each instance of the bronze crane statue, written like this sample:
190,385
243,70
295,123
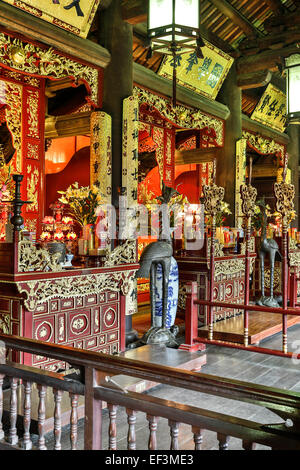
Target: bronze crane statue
269,247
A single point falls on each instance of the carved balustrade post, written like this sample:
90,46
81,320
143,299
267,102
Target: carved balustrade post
112,430
284,195
223,441
174,431
152,443
131,437
26,442
57,418
198,437
213,197
12,437
74,421
248,196
42,389
1,405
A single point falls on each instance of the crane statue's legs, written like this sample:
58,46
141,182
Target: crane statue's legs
262,277
271,301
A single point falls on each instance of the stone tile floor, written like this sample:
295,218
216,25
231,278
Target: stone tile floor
232,363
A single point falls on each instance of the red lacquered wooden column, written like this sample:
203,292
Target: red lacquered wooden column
248,196
213,197
191,320
212,279
284,195
247,282
284,284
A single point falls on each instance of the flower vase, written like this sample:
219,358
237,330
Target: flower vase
173,288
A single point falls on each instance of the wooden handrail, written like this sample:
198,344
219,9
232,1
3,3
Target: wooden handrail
250,308
42,377
283,402
95,388
201,418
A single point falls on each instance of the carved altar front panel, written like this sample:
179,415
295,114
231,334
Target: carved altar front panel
90,322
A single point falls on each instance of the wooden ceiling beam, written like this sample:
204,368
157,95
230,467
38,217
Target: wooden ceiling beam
236,17
184,157
269,59
271,41
134,11
254,80
276,6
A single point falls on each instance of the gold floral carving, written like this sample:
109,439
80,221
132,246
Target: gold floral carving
248,196
218,248
5,323
46,63
181,115
158,138
32,113
13,114
32,151
31,258
284,195
213,197
264,145
122,254
32,188
231,266
294,258
74,286
240,166
251,246
276,278
293,244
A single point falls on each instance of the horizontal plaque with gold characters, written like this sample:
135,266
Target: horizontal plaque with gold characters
271,109
204,76
75,16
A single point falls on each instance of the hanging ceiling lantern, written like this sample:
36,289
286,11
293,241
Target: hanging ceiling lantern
174,29
292,68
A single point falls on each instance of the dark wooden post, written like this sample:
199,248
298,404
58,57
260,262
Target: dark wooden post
191,320
230,95
293,163
116,37
93,413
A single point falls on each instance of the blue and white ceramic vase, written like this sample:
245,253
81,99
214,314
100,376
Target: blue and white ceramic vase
173,287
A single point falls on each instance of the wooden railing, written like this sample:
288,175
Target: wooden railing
95,382
194,341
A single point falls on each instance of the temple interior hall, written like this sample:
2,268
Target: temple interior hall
149,227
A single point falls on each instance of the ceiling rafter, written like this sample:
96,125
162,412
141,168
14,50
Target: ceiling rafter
134,11
276,6
236,17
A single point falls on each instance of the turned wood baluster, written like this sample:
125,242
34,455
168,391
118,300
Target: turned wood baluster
74,421
223,441
27,443
57,418
248,445
131,437
12,435
112,432
174,431
198,437
152,443
42,416
1,405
